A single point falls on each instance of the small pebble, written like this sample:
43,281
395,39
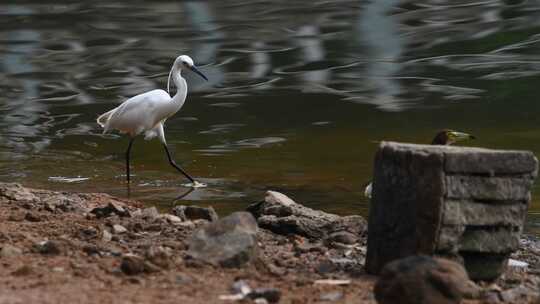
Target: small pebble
332,296
119,229
132,265
9,251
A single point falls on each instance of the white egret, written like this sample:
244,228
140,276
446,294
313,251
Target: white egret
444,137
146,113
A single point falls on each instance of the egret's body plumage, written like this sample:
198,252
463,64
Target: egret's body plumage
147,112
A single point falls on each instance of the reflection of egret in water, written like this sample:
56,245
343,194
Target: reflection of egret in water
312,51
260,61
378,32
201,18
21,120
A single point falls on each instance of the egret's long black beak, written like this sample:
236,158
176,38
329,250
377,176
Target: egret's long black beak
194,69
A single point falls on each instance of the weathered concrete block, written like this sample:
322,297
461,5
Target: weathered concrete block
462,238
487,188
488,213
449,201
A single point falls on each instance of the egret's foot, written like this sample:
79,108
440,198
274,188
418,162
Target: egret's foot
196,184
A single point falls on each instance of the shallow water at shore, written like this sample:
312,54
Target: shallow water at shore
299,93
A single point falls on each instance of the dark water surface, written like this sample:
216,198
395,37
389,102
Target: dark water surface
300,92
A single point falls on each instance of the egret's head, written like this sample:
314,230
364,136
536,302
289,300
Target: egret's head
181,62
184,61
448,137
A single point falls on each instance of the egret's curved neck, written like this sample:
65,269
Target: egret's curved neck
181,86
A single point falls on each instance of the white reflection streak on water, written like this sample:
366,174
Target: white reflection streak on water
260,62
201,18
378,30
21,121
312,51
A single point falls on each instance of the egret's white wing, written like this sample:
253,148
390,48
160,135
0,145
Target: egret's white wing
138,114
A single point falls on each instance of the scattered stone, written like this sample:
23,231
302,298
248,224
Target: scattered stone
9,251
88,233
241,287
119,229
342,237
195,213
91,250
132,265
150,213
332,296
106,236
241,291
517,264
112,208
23,271
52,247
32,217
228,242
305,247
272,295
280,214
16,217
171,219
326,266
332,282
16,192
423,280
159,256
521,294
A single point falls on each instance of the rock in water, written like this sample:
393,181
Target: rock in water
195,213
280,214
424,280
228,242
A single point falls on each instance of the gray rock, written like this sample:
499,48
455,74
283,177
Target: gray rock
484,266
280,214
195,213
272,295
9,251
150,213
159,256
112,208
132,265
119,229
331,296
16,192
424,280
465,203
172,219
521,294
32,217
228,242
106,236
53,247
342,237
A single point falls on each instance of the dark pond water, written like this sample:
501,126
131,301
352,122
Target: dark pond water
300,92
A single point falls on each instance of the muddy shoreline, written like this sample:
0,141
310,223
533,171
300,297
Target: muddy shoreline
59,247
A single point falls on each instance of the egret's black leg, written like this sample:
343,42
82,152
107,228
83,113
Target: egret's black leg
173,163
128,152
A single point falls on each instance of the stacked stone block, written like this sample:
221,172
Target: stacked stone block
467,204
